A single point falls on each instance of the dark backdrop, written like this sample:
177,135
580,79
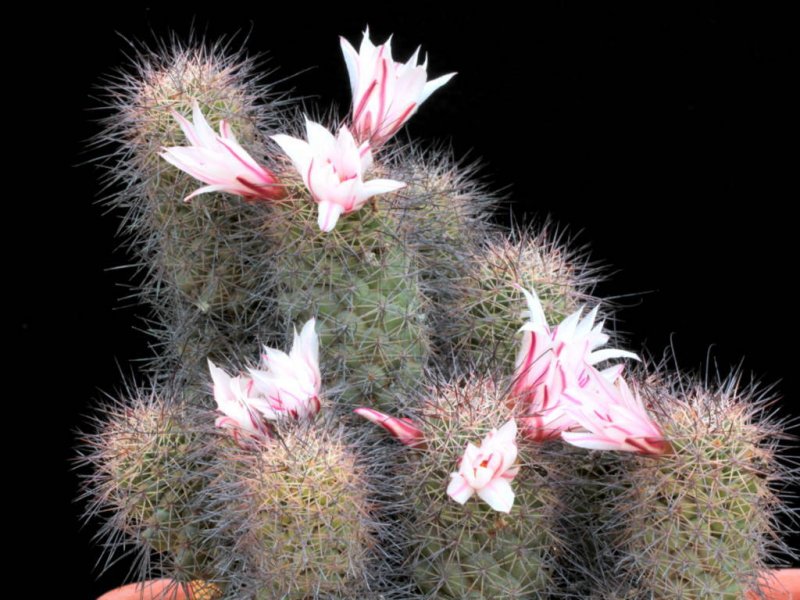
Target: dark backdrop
661,138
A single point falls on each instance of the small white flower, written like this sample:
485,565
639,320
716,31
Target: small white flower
333,170
235,400
488,470
385,93
289,384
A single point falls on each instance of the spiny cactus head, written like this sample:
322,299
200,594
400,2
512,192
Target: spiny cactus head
703,520
200,263
448,206
149,460
304,524
488,309
471,550
169,78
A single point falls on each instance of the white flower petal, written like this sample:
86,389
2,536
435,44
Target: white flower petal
373,187
507,433
322,141
589,441
434,85
498,494
535,310
206,189
351,61
299,151
458,489
328,215
202,129
187,128
601,355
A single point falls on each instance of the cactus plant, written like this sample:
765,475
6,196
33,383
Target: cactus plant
301,510
362,284
487,307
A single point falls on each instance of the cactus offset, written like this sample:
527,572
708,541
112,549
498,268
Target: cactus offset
701,522
300,510
151,459
472,551
588,565
201,261
486,316
447,214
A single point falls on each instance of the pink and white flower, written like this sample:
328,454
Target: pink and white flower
236,401
488,470
402,428
333,170
385,93
547,359
288,387
289,384
219,161
613,417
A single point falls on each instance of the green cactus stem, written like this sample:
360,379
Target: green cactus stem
361,282
200,262
472,551
702,521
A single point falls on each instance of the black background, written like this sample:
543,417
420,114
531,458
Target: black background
662,138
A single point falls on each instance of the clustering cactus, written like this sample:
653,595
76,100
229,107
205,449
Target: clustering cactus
389,255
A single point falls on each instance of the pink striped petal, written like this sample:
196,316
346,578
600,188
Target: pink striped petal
219,161
458,489
332,169
328,215
498,494
402,428
385,93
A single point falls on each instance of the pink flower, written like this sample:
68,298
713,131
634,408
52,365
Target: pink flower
289,386
547,359
235,400
333,170
385,93
488,470
220,161
290,383
613,416
402,428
